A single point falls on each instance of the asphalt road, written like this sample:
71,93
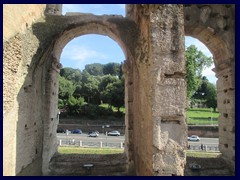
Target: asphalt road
84,137
121,138
205,141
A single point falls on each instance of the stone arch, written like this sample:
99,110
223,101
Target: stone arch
107,26
215,44
31,65
91,28
213,25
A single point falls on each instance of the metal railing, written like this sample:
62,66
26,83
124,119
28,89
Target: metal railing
203,147
80,143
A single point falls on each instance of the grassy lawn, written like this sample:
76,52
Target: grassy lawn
202,154
78,150
195,116
202,116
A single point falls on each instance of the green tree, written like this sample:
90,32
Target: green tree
90,90
114,94
202,89
196,61
95,69
74,105
66,88
104,82
71,74
211,96
112,69
77,92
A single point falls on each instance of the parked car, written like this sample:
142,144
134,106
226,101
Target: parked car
76,131
113,133
193,138
93,134
60,130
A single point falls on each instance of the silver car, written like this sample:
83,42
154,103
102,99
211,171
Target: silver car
193,138
93,134
113,133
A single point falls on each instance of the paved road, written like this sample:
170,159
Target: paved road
104,138
84,137
205,141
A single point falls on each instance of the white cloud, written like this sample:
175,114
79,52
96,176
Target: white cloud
79,55
208,71
210,74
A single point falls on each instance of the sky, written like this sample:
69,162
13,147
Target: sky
88,49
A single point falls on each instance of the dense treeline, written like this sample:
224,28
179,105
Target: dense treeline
81,92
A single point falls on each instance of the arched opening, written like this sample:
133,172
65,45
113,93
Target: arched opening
202,113
92,66
67,36
215,33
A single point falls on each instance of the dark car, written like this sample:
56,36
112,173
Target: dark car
76,131
60,130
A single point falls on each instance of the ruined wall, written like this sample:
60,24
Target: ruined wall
19,17
65,28
159,104
22,123
214,25
152,38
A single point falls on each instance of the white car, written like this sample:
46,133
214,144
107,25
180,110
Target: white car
193,138
93,134
113,133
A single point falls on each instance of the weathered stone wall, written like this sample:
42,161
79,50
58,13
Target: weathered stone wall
22,100
64,29
159,103
19,17
214,25
152,39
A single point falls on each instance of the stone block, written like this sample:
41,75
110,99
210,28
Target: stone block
168,99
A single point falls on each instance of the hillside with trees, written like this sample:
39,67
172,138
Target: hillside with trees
82,92
99,88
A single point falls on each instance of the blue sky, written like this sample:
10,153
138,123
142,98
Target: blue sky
89,49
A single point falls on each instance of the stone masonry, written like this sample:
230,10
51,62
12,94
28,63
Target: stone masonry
152,39
214,25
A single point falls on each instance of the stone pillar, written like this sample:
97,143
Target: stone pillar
169,89
226,108
51,119
129,143
160,98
